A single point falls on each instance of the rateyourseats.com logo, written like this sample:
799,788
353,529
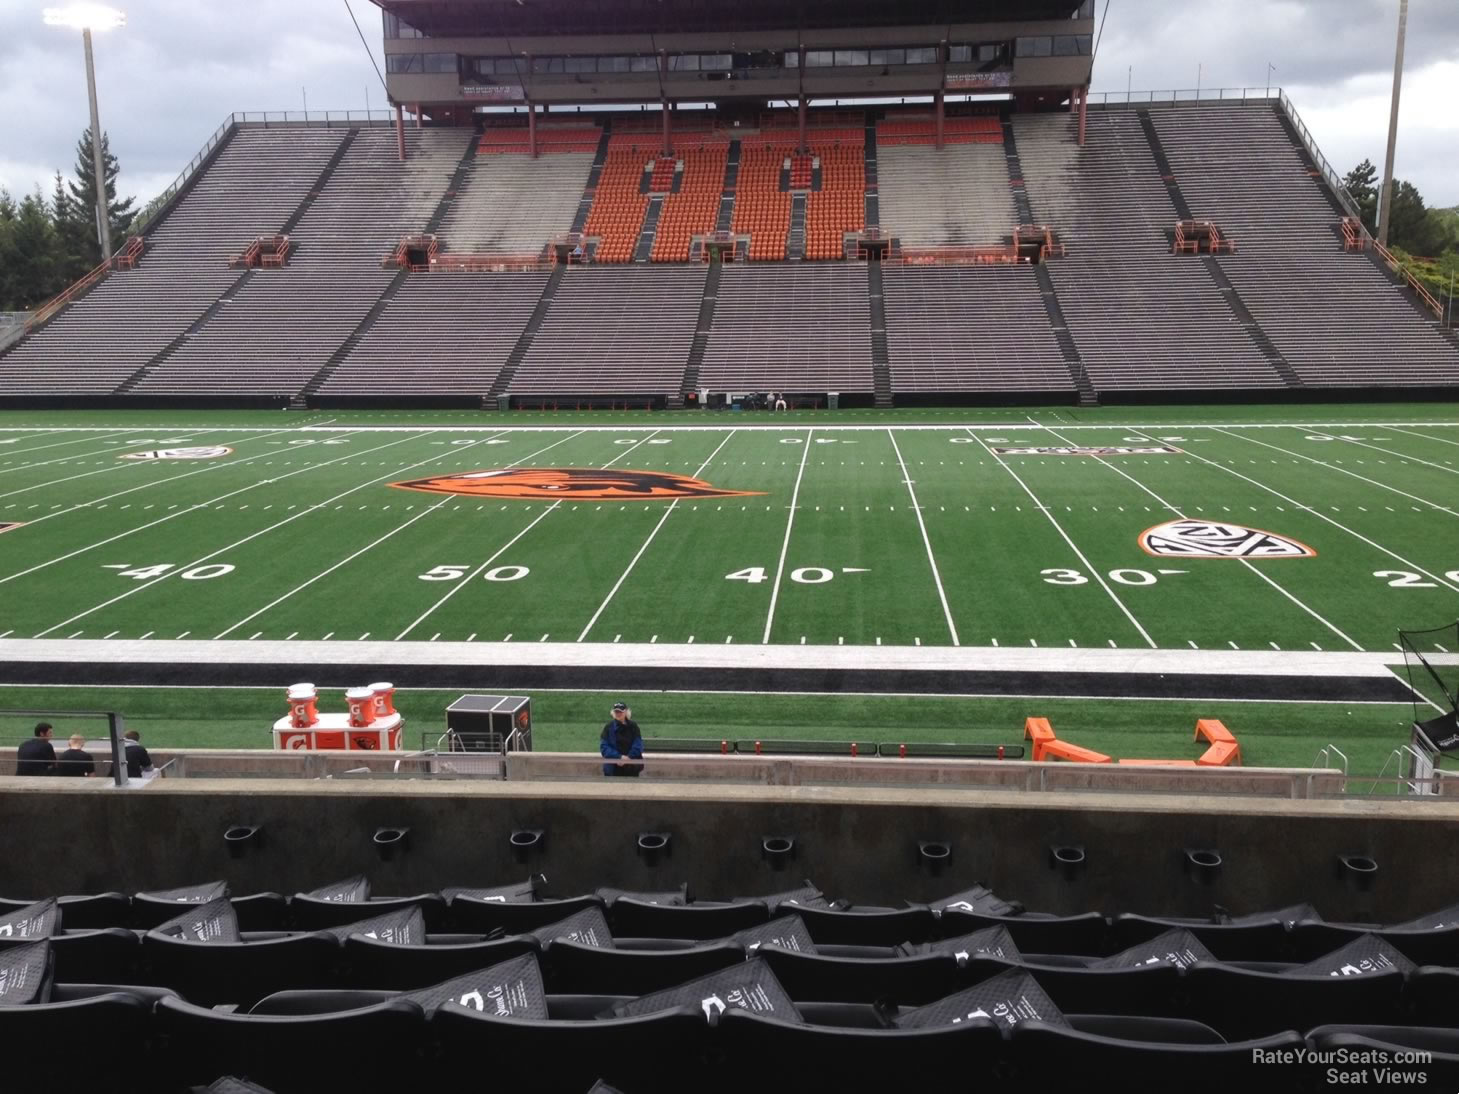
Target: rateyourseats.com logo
1368,1067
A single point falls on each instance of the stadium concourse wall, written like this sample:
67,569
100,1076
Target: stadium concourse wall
860,843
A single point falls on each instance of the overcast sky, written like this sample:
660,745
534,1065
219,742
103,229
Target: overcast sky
174,73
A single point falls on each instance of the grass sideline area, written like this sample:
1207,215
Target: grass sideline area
1271,734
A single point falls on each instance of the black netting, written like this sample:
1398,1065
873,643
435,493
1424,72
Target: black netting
671,897
978,900
993,942
1363,956
788,932
587,926
1434,921
353,890
406,927
215,921
24,975
191,894
40,920
1175,947
512,989
807,896
751,987
1009,998
523,893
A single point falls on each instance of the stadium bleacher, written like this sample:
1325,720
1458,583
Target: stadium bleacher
544,991
1115,313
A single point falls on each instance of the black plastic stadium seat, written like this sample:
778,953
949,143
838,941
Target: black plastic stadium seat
1146,989
106,955
761,1053
1431,995
485,916
1045,1056
255,912
1441,1042
115,1024
371,963
559,1007
1311,939
313,914
1242,1004
575,967
1268,941
905,981
375,1048
1080,934
663,1053
213,973
869,928
1180,1031
84,912
700,921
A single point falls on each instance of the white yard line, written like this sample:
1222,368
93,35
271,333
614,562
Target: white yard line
1245,562
926,542
122,465
303,512
624,576
1094,572
1422,436
1344,470
1323,516
57,444
61,459
785,546
458,586
1385,451
153,482
171,516
363,550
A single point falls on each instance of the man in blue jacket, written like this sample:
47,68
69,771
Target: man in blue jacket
621,738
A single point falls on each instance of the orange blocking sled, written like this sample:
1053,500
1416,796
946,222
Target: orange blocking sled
1040,733
1225,751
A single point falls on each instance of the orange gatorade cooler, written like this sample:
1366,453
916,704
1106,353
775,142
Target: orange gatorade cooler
302,700
384,699
361,702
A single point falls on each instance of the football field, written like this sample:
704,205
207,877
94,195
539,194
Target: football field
1229,529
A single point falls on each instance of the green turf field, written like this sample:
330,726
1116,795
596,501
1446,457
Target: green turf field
857,528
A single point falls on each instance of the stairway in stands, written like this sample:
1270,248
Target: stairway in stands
644,249
590,188
504,378
727,195
873,200
881,369
300,400
1047,292
795,238
701,333
1212,265
325,174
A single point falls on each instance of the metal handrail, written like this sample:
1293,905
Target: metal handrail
1333,179
1183,96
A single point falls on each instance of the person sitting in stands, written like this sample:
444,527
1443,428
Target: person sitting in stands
621,738
36,756
138,760
76,760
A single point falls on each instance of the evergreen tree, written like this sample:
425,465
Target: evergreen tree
9,258
1362,185
1410,224
83,192
73,228
34,250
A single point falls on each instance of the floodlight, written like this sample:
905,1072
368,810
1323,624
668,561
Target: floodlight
86,17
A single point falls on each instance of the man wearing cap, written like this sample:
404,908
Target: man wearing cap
621,738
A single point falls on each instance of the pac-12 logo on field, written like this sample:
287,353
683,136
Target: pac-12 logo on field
208,452
575,483
1208,539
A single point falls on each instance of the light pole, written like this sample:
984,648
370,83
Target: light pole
1386,195
1270,68
89,17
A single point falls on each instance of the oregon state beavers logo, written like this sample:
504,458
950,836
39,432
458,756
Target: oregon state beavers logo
577,483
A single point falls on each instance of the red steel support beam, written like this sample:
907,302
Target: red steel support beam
940,113
668,140
800,120
400,131
532,130
1083,112
420,122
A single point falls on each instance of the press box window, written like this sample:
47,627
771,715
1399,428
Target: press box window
440,62
643,64
921,56
1035,47
404,62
